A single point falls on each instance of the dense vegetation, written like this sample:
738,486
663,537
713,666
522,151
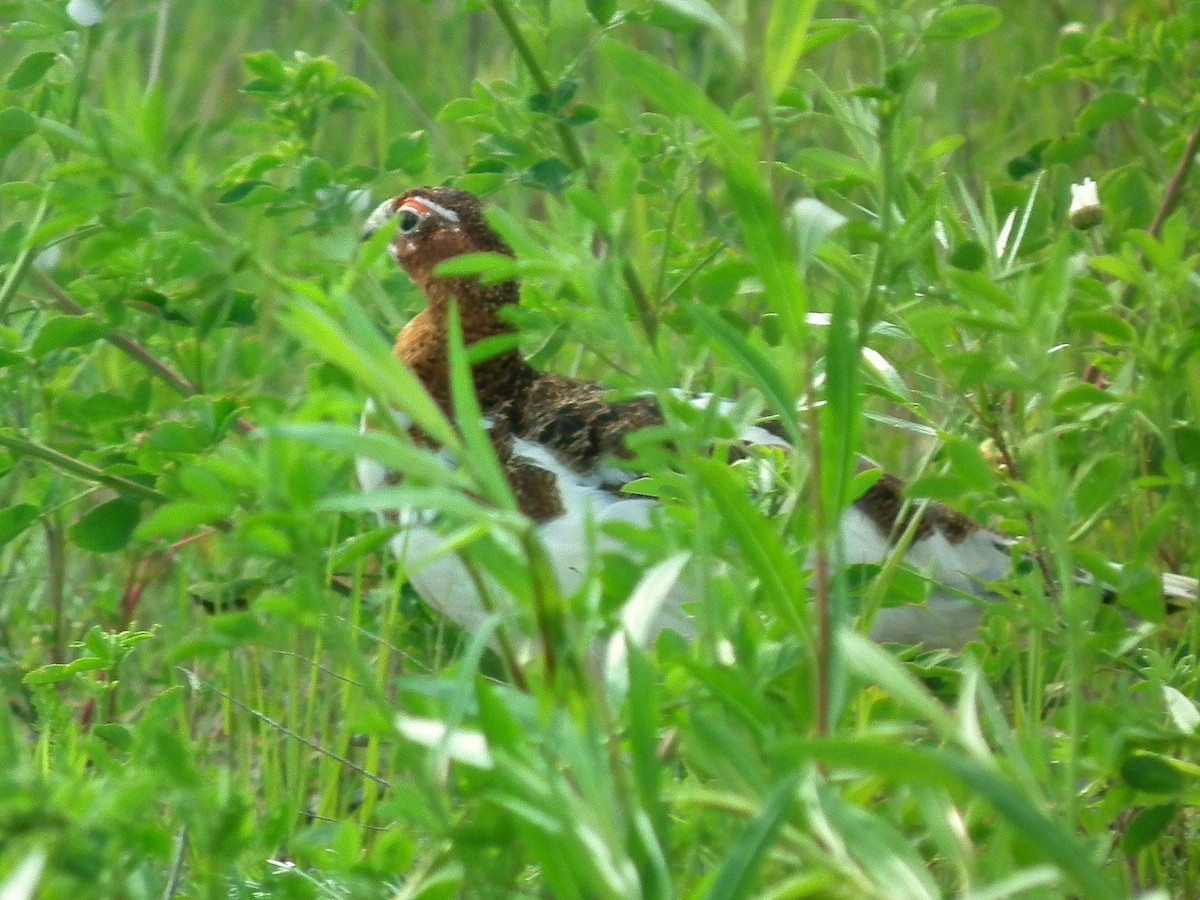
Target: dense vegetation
216,683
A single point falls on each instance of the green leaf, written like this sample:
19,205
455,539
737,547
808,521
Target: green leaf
886,853
834,164
1028,162
551,175
360,546
488,267
759,542
1182,710
61,332
602,10
87,664
872,663
1084,395
702,13
29,31
1146,826
735,877
941,147
116,736
1109,325
913,765
385,449
1100,482
107,528
30,70
408,153
20,190
179,517
1105,108
840,417
48,674
556,101
734,346
1120,267
1154,773
826,31
242,191
15,125
371,363
266,65
787,30
15,519
968,255
481,455
814,222
960,23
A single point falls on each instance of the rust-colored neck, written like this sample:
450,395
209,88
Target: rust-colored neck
422,344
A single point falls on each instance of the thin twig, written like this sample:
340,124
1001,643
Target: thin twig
177,860
1170,198
1175,185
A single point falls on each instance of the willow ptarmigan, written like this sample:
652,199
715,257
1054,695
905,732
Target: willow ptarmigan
561,440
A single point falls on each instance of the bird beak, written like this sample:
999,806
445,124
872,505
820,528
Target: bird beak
378,218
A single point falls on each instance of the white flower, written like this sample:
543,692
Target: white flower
85,12
1086,211
45,262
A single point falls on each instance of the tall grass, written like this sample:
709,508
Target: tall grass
217,681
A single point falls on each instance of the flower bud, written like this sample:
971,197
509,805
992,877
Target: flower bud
1086,211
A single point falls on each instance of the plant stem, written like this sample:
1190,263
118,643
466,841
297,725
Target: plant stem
20,266
55,582
1175,185
820,551
22,446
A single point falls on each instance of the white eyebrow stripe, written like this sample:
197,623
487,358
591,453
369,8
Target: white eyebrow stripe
448,214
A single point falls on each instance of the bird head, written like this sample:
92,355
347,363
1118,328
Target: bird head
433,224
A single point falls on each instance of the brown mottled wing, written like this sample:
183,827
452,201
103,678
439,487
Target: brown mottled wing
577,423
884,501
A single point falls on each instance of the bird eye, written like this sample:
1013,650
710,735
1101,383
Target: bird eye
409,221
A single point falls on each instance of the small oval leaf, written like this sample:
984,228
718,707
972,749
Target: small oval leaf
30,70
1105,108
14,520
1145,827
15,125
1152,773
107,528
61,332
961,23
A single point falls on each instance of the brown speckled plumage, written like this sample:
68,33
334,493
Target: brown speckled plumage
883,502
